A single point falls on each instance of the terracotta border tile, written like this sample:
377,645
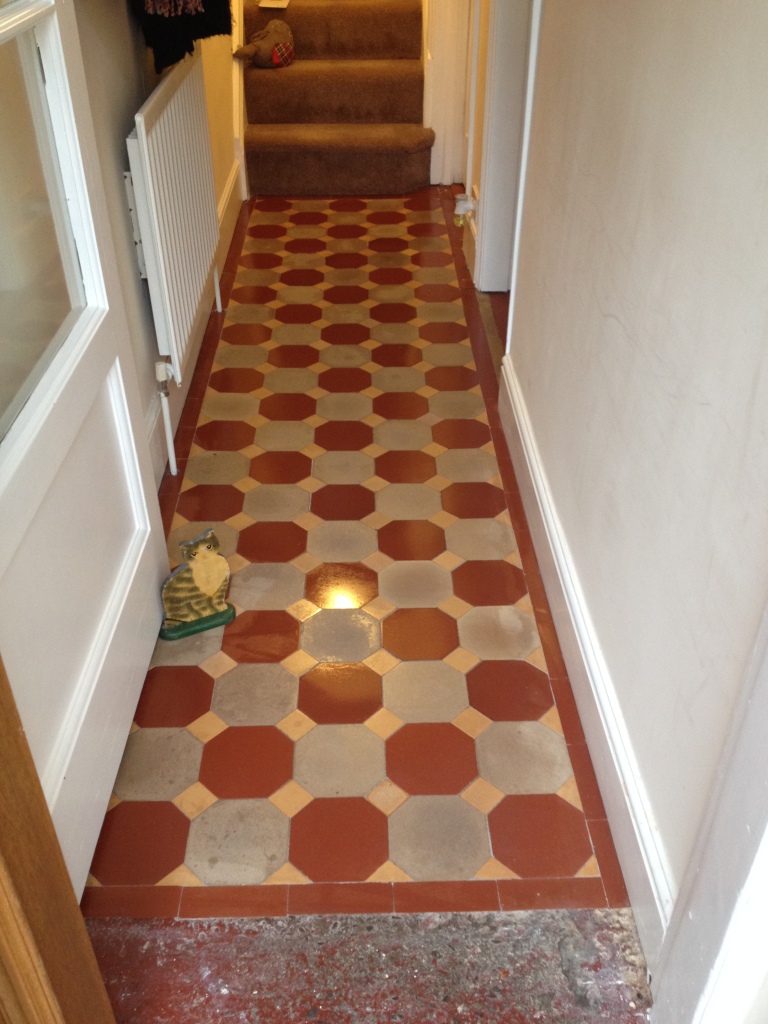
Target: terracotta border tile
551,893
234,901
610,869
341,898
566,706
453,897
586,780
140,901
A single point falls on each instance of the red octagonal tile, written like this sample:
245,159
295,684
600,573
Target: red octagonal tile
254,295
411,539
173,696
461,433
272,542
246,334
473,501
293,355
140,843
281,467
451,378
343,501
438,293
442,334
247,761
408,467
340,694
224,436
344,435
539,836
432,259
345,334
431,759
400,405
210,501
298,313
261,637
239,379
345,295
509,691
482,583
301,278
308,217
345,379
346,260
267,230
339,840
394,313
287,407
259,260
397,355
389,244
341,585
305,245
391,275
419,634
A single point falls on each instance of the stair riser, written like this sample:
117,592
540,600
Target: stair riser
347,29
313,173
364,93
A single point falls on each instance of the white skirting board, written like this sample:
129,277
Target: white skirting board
642,857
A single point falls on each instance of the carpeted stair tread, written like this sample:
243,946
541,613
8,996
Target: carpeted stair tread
346,91
346,29
349,138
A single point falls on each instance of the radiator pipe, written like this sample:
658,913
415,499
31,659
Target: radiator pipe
164,371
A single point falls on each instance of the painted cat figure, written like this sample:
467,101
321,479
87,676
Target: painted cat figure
198,587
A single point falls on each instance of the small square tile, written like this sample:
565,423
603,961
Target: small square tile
438,483
373,450
435,449
495,869
194,800
218,664
296,725
552,720
313,451
590,869
240,521
308,521
443,518
537,659
455,607
377,561
237,562
299,662
515,559
448,560
207,726
387,797
384,723
381,661
472,722
246,484
379,608
569,792
114,800
375,483
181,876
461,659
525,604
303,610
482,795
305,562
178,521
389,872
375,520
291,798
287,875
310,484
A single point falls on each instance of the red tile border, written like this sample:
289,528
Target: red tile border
610,869
549,893
453,897
142,901
586,780
341,898
234,901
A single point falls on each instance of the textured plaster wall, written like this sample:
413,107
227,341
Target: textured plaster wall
641,347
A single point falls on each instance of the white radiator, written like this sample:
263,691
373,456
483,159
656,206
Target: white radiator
173,204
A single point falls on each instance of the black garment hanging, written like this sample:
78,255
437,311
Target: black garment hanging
172,37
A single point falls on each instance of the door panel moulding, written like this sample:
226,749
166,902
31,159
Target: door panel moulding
643,859
445,79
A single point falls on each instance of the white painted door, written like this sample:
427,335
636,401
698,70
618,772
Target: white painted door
81,551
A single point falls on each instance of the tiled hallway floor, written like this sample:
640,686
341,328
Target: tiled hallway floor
387,724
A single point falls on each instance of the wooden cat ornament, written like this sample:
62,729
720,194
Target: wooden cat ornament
193,595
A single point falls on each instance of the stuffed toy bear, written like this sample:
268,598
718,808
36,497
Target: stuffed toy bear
270,48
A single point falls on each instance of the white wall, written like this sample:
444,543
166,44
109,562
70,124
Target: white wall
639,363
120,77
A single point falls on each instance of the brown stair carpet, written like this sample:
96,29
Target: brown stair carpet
346,117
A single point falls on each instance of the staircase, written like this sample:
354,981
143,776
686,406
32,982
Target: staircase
346,117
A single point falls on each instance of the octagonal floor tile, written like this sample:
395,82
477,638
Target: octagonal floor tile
400,406
269,586
247,761
451,378
236,378
438,838
276,503
342,501
343,467
255,695
425,691
287,407
280,467
480,539
267,636
345,334
158,764
339,840
339,760
174,696
405,467
271,542
284,436
210,501
411,539
124,857
293,356
444,333
340,636
402,435
434,758
523,757
341,541
471,501
224,435
396,355
407,501
217,467
344,378
419,634
341,585
343,435
498,633
238,842
467,465
509,691
489,582
415,584
340,694
539,836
